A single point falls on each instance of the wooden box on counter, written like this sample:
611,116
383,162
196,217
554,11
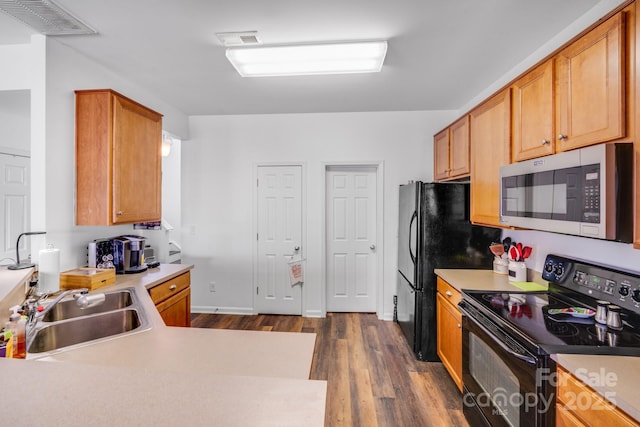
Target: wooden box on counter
90,278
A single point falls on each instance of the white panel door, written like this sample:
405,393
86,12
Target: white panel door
14,197
279,238
351,238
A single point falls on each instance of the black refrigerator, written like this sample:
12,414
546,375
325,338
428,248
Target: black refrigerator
434,231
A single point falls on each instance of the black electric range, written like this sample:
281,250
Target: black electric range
508,337
538,318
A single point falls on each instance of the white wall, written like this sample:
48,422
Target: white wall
15,119
51,72
614,254
218,187
66,72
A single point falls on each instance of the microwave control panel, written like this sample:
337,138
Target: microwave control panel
591,193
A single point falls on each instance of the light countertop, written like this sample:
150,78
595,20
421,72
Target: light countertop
623,391
479,280
167,375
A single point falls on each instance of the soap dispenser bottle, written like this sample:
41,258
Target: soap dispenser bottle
18,324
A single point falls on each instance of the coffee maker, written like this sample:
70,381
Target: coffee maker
124,253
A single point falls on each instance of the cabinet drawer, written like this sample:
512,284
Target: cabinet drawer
564,418
169,288
449,292
587,405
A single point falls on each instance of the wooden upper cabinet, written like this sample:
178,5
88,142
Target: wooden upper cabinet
451,151
532,114
441,155
490,148
590,85
118,161
459,148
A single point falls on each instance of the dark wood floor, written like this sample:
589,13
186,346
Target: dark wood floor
372,377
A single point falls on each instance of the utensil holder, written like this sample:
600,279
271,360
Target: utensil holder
517,271
500,266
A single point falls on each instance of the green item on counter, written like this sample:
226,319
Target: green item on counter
530,286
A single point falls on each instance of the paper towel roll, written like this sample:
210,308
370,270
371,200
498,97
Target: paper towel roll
49,270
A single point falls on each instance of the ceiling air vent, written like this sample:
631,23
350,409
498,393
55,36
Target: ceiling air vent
46,17
245,38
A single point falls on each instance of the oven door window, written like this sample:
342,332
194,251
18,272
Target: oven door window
500,378
496,379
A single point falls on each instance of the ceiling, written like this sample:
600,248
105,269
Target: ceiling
441,53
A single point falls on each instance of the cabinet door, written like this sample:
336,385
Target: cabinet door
590,87
532,109
176,311
449,338
441,155
585,406
490,148
459,148
137,164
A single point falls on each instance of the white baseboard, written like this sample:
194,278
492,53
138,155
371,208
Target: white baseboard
222,310
387,317
314,313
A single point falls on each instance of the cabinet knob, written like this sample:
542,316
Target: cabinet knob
562,137
119,213
459,326
172,287
448,293
545,142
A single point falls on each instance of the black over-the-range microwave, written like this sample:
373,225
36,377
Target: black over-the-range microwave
585,192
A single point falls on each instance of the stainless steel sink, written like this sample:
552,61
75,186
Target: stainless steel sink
81,330
69,309
68,326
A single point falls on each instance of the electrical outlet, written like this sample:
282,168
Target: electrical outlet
212,286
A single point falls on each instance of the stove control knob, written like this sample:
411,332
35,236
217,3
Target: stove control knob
635,294
624,291
559,270
548,267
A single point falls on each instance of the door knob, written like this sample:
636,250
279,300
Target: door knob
297,248
372,247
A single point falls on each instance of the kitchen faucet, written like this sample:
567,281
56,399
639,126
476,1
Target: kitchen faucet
82,297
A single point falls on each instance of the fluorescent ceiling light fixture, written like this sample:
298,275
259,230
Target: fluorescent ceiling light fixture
294,60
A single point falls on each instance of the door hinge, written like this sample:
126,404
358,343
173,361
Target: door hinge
257,182
257,236
257,290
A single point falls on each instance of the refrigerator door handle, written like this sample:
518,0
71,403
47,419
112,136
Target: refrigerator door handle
411,239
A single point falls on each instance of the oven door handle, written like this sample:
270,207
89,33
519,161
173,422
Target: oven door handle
528,359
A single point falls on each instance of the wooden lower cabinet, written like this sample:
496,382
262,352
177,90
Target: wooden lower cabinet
449,330
578,405
173,300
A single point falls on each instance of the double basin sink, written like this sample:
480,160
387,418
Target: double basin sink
66,325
